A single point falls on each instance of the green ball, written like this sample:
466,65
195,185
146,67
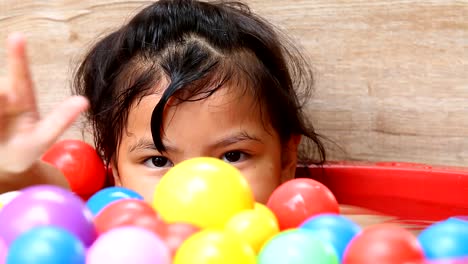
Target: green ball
297,246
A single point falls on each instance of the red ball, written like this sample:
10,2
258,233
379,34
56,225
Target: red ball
384,243
176,234
129,212
80,164
463,260
297,200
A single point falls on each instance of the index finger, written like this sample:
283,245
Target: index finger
21,88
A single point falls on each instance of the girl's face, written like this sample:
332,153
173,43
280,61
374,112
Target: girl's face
227,125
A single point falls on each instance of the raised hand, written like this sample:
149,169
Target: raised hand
24,135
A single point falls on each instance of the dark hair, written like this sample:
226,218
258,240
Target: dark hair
198,47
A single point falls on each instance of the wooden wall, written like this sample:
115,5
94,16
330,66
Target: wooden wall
391,76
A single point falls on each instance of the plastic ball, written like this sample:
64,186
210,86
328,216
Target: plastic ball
176,234
7,197
461,218
46,244
46,205
383,243
129,212
128,244
296,246
79,163
446,239
297,200
205,192
264,210
253,227
334,229
109,195
3,251
214,246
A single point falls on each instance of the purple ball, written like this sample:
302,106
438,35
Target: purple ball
46,205
3,251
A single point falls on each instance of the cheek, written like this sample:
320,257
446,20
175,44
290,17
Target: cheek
142,184
263,180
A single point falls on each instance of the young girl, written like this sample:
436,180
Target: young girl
182,79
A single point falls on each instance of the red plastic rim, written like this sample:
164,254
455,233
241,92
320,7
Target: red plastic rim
406,190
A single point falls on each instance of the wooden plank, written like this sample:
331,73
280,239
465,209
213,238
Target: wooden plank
391,76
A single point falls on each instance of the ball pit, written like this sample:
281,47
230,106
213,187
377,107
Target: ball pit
220,223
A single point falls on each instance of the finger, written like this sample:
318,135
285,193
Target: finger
50,128
21,90
3,101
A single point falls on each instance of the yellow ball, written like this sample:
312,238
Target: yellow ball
263,209
205,192
214,246
253,227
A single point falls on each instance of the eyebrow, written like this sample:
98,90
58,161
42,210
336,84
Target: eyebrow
142,144
235,138
148,144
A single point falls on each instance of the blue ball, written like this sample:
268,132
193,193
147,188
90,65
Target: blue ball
460,219
334,229
446,239
106,196
46,244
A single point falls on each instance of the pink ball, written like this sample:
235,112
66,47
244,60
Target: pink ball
129,244
3,251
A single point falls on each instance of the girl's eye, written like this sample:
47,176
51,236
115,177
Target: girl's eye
158,162
234,156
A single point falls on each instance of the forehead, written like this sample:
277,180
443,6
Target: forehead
227,108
